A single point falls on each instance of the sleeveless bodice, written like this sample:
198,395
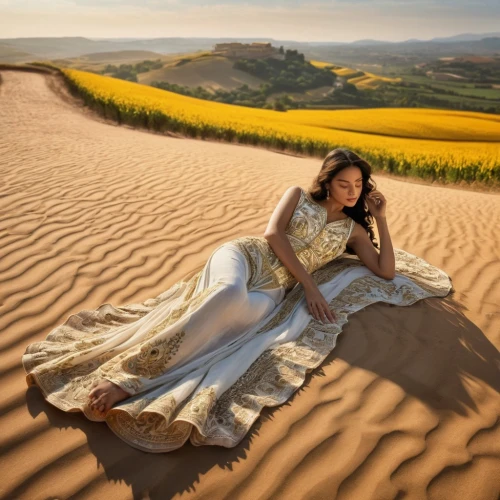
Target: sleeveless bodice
314,241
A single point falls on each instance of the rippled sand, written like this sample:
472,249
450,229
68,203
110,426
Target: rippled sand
406,406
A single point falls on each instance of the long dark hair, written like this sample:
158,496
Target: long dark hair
334,162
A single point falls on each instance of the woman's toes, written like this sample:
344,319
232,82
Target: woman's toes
105,395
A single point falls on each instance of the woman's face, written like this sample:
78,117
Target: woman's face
346,186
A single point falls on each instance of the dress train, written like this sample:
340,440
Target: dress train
203,358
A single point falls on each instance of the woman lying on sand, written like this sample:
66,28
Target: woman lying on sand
201,360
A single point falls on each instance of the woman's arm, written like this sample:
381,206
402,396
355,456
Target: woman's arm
277,238
279,242
383,264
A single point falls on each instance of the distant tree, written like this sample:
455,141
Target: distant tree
110,68
279,106
349,88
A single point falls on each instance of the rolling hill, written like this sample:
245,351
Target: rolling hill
209,72
9,54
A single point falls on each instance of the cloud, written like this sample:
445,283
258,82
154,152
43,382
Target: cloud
189,4
318,20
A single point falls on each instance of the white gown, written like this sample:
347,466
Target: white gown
204,357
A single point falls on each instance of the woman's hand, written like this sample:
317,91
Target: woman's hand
376,203
317,305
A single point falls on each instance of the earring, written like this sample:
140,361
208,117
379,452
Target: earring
327,194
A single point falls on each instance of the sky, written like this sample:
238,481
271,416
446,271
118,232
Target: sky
314,20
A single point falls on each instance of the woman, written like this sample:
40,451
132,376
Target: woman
203,358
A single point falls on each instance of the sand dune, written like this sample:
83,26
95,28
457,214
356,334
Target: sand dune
406,406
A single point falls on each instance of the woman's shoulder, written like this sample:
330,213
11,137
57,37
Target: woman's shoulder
295,191
356,231
293,195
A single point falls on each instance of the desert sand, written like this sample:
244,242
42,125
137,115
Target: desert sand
406,406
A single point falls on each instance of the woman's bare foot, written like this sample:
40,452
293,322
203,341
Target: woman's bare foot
105,395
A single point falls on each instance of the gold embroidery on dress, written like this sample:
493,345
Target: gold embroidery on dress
191,301
278,372
159,424
153,358
196,410
314,242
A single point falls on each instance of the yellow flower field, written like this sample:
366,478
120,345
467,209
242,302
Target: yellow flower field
434,144
367,81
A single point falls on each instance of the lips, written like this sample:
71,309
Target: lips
351,199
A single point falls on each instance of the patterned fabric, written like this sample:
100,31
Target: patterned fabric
214,399
314,241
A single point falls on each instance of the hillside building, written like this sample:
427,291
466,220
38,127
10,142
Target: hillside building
255,50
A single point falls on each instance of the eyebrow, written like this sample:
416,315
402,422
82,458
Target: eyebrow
344,180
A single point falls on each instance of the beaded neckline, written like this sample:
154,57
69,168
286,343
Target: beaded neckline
324,211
